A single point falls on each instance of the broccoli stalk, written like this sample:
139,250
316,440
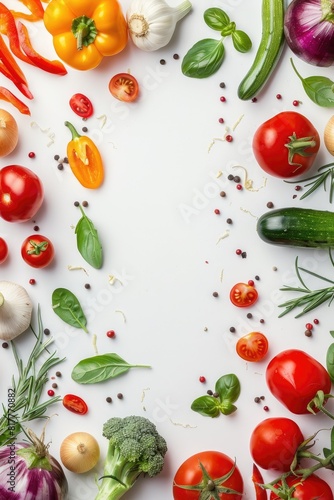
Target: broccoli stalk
135,448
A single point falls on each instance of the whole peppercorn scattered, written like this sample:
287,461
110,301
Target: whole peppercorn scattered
163,62
87,286
257,278
222,85
85,203
209,392
222,194
298,188
84,129
232,329
54,385
202,379
229,221
120,395
257,399
215,294
236,178
176,56
278,96
308,333
270,204
261,320
65,159
36,228
5,345
76,203
244,255
109,399
254,99
215,394
46,331
230,177
249,315
56,157
60,166
58,374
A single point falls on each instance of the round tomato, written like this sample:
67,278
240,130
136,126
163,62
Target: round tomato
75,404
243,295
214,471
274,442
124,87
311,488
286,145
81,105
37,251
3,250
294,378
21,193
252,347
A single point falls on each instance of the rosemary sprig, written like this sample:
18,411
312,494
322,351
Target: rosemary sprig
309,299
27,388
320,179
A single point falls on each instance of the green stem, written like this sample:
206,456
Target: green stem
299,146
84,30
73,130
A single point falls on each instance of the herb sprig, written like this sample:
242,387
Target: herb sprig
318,180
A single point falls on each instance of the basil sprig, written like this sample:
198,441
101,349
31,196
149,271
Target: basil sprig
88,242
100,368
206,56
227,391
319,89
66,305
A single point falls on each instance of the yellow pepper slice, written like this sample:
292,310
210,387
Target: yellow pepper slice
84,159
85,31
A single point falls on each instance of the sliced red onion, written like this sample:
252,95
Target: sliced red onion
18,482
309,30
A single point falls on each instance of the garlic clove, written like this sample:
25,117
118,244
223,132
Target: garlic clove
15,310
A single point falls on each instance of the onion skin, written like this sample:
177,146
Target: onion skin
79,452
9,133
309,36
29,484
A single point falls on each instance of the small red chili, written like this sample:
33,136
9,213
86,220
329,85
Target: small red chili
75,404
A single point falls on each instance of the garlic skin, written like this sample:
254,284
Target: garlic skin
152,23
15,310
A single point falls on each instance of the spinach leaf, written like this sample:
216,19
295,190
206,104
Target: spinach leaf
88,241
100,368
216,18
68,308
203,59
227,391
319,89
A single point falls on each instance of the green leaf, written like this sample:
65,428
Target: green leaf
203,59
228,388
100,368
216,18
68,308
330,361
318,88
208,406
88,241
241,41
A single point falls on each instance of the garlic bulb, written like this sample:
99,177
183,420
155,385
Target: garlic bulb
152,23
15,310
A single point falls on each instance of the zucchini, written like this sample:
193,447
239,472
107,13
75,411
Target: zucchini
269,51
300,227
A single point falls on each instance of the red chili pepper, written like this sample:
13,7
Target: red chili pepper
55,67
6,95
36,9
257,479
8,28
12,70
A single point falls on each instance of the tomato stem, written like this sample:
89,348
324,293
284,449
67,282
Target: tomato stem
299,146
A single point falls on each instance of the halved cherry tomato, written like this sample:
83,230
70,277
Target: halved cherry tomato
243,295
252,347
81,105
37,251
3,250
75,404
124,87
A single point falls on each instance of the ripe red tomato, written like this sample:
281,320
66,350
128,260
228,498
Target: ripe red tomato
243,295
21,193
37,251
274,442
294,378
286,145
3,250
217,465
75,404
124,87
252,347
312,488
81,105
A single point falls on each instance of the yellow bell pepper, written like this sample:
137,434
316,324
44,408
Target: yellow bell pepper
84,31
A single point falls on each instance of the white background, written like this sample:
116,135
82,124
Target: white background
162,240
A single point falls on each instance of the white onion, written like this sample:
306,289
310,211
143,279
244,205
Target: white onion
9,133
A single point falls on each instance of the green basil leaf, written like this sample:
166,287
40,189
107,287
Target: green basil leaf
241,41
330,361
331,332
88,241
318,88
100,368
216,18
227,408
203,59
68,308
208,406
228,388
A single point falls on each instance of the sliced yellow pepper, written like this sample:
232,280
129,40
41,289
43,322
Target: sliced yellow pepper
85,31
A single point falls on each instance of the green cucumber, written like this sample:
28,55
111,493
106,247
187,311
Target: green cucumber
269,51
299,227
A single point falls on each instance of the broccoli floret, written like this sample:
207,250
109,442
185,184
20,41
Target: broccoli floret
135,448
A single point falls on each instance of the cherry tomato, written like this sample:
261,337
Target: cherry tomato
307,489
37,251
21,193
252,347
124,87
274,442
81,105
3,250
286,145
257,479
243,295
294,378
75,404
216,465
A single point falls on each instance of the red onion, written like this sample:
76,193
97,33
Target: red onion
29,472
309,30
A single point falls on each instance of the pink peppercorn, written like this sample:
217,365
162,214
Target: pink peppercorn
31,154
316,321
51,392
295,102
239,187
309,326
229,138
111,334
251,282
221,120
223,99
32,281
278,96
217,211
202,379
238,251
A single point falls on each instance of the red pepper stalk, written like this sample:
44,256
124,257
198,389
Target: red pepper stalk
36,9
10,68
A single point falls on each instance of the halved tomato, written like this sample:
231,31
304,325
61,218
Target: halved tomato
81,105
75,404
252,347
243,295
124,87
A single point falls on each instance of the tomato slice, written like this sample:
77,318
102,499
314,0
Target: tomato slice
81,105
75,404
243,295
252,347
124,87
